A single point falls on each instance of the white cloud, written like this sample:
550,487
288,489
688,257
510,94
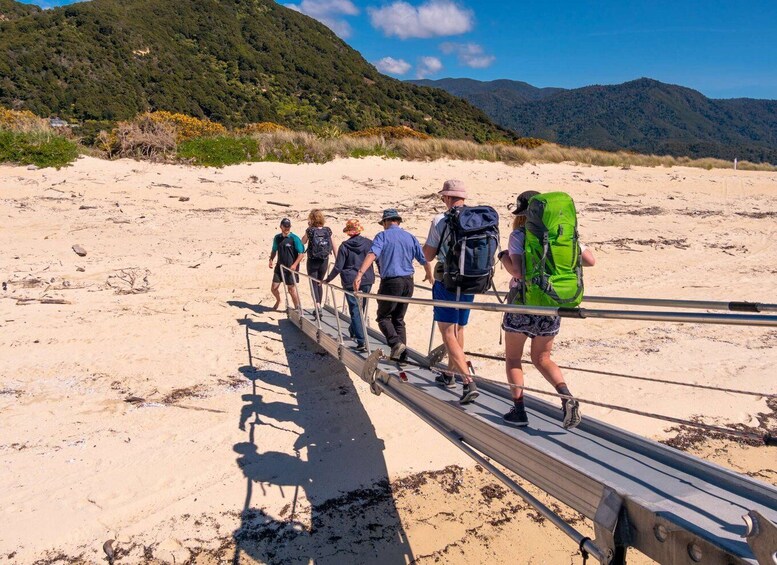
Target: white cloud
329,12
433,18
393,66
469,54
428,66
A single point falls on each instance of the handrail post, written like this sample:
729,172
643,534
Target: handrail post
431,339
363,312
337,314
283,284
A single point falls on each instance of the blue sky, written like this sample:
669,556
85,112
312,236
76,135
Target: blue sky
724,49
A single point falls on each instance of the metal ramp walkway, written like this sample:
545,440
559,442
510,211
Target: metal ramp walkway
672,506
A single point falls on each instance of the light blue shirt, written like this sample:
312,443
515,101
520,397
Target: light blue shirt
395,249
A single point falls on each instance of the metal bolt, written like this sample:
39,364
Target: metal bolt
661,532
694,551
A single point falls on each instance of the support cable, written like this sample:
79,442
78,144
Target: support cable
765,438
634,377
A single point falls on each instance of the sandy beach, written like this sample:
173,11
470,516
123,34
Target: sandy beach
149,395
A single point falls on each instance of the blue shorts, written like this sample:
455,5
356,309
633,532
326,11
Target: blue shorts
450,315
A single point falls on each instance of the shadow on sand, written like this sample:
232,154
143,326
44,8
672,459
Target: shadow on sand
332,450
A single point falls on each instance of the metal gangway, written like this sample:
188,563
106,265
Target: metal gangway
673,507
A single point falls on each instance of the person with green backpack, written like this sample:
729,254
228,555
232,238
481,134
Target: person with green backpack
545,259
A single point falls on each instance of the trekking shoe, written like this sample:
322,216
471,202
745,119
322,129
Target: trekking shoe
516,417
446,380
397,352
572,417
360,347
469,394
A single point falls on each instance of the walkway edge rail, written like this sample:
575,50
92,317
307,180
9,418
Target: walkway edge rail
620,520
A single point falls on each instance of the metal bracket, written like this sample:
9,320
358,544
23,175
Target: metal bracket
611,527
370,369
436,355
340,352
318,336
761,536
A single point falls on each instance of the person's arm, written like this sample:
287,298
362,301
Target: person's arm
300,253
274,250
339,264
432,244
429,275
512,263
429,252
587,256
366,264
305,237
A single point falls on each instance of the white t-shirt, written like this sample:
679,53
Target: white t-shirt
434,238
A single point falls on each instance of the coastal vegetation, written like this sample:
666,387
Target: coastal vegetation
169,137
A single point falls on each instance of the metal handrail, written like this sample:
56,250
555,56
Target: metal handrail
730,305
580,313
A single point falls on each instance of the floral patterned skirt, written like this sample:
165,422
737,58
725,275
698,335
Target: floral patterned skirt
531,325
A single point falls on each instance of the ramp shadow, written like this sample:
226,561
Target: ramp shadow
332,456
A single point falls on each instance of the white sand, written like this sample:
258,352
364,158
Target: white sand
80,465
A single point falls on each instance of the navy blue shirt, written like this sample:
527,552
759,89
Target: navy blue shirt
395,249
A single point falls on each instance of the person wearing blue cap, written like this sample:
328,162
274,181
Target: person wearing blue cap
395,249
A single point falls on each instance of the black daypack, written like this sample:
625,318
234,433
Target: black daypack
320,245
473,239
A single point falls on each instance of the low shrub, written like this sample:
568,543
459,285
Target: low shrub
530,142
142,138
219,151
42,149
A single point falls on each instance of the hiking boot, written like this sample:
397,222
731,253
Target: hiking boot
572,417
469,394
397,351
445,379
516,417
360,347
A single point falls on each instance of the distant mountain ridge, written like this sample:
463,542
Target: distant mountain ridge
233,61
642,115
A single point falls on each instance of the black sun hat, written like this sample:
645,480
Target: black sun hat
522,202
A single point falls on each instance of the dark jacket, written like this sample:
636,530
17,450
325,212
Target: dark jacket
350,256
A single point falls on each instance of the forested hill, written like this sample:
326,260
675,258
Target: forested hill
643,115
234,61
10,10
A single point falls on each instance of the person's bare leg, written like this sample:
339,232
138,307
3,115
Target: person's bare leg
540,355
277,294
514,344
457,361
294,295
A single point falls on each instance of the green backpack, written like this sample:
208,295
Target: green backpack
553,269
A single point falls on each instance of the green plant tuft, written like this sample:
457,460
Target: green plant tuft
42,149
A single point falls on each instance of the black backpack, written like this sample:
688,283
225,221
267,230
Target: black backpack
320,244
473,239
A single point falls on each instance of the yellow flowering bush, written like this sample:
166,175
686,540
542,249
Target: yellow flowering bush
390,132
21,120
261,127
186,127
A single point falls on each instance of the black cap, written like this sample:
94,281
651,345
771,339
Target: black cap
522,202
285,223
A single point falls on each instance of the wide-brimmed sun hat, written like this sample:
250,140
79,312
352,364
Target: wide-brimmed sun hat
353,227
390,214
454,188
522,202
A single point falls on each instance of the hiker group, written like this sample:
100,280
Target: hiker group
544,258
